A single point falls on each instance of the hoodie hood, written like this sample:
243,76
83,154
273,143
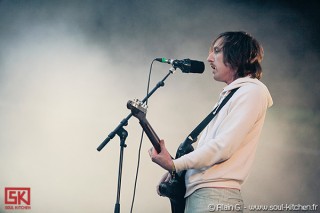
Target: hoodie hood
247,80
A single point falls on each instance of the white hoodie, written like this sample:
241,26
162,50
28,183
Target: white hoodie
227,146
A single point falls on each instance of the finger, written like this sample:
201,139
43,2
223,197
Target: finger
154,151
161,142
168,178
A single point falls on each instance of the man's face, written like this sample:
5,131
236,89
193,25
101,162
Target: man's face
221,72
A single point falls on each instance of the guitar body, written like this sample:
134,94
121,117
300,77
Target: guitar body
175,189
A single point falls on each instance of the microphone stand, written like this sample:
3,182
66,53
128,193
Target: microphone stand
122,133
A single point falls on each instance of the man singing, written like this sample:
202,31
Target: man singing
219,165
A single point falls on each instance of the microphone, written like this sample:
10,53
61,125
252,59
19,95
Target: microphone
186,65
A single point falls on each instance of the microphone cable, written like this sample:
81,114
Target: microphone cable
140,145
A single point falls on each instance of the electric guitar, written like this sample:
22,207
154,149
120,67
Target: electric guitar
175,188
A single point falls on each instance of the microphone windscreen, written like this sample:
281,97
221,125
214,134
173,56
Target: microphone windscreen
197,66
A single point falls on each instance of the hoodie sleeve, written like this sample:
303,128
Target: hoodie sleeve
245,110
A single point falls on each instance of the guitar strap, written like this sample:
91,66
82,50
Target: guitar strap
194,134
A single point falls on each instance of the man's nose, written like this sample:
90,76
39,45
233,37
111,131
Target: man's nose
210,57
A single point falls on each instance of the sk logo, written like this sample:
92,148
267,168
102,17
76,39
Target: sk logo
17,196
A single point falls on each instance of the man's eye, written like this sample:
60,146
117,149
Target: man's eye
216,50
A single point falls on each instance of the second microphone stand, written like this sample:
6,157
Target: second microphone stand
122,133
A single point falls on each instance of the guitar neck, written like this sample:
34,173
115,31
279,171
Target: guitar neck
153,137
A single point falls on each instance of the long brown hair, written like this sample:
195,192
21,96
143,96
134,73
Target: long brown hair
242,52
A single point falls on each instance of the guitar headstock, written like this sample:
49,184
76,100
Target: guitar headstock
137,108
